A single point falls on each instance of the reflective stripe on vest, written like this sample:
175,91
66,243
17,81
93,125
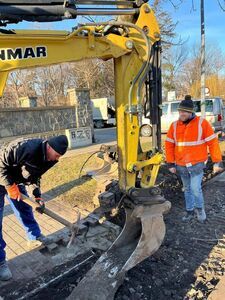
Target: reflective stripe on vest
199,141
200,128
211,137
175,131
170,140
196,143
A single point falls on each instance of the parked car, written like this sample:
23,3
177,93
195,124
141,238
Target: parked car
215,113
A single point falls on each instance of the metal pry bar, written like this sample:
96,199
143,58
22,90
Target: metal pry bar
74,227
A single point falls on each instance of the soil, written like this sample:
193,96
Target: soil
190,261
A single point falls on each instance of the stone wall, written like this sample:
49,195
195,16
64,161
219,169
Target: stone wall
80,98
26,121
28,101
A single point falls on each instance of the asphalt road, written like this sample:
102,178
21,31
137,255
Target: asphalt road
105,135
102,136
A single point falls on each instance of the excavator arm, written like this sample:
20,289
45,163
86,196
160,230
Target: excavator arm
134,45
13,11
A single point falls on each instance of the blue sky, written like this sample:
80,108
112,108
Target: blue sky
188,26
189,21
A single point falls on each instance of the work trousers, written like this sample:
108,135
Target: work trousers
192,182
24,214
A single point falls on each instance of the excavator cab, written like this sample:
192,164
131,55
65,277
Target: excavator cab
133,42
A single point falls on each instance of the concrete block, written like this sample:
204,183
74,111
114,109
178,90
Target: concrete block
82,228
90,221
52,247
79,137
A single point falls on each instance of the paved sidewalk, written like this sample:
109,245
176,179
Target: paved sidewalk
14,234
25,262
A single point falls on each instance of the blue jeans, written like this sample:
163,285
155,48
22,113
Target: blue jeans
23,213
192,182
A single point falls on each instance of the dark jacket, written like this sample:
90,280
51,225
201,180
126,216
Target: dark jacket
24,161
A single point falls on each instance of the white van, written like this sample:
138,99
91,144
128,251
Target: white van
215,113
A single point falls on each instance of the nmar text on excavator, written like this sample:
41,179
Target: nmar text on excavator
133,42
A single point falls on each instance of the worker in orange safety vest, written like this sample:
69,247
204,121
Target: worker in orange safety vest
187,144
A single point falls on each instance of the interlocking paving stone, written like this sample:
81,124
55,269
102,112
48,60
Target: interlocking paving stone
14,234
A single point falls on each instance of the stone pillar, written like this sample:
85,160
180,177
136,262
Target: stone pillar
80,98
28,101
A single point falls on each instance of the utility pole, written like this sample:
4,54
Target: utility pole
202,59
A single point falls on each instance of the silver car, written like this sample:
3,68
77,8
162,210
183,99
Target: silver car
215,113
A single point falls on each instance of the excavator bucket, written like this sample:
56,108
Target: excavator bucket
142,235
105,171
109,167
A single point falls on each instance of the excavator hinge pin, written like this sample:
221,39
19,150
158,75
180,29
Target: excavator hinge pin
129,45
147,9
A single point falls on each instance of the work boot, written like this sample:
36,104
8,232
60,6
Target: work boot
40,241
31,244
188,216
5,273
201,215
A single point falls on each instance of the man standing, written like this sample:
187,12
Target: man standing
23,162
187,144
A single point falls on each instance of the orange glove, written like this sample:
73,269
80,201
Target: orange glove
14,192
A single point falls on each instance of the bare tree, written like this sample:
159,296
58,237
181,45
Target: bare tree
173,60
222,6
51,84
95,74
167,25
19,84
190,72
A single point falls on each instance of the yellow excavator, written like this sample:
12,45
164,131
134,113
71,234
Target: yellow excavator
133,42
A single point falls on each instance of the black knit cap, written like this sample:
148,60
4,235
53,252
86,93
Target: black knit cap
187,104
59,144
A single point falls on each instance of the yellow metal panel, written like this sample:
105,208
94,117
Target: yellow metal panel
24,33
125,70
3,79
127,131
148,22
57,51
